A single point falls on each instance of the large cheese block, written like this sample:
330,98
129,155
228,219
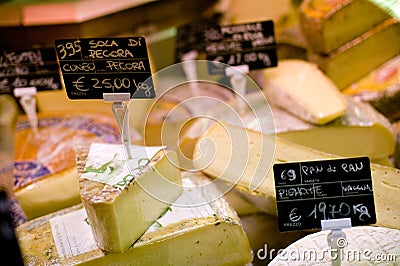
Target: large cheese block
362,245
251,169
381,88
202,234
358,57
347,135
45,173
329,24
301,88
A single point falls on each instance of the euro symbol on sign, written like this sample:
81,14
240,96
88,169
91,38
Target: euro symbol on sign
79,85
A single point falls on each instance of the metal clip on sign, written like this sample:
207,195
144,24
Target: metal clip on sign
120,111
238,81
28,102
336,238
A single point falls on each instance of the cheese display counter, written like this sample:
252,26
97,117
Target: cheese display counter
186,175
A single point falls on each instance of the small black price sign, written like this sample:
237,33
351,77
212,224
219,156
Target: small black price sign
311,191
251,44
93,66
23,68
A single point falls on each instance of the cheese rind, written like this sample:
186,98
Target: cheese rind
301,88
209,234
328,25
112,210
253,145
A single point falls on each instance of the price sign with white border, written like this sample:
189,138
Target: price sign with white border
311,191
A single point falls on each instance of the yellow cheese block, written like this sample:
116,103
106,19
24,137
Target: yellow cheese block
358,57
205,234
142,196
303,90
346,136
329,24
215,154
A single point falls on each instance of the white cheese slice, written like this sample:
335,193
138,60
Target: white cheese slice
217,153
141,195
205,234
362,245
302,89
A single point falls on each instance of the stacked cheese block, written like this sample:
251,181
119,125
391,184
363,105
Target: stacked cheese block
345,48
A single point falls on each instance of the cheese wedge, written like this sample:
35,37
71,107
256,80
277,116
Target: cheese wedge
301,88
204,234
116,195
363,245
358,57
251,169
328,24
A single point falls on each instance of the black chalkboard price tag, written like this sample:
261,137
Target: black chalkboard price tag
251,44
93,66
311,191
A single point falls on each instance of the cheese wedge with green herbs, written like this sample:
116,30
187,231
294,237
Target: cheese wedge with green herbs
124,198
215,155
187,234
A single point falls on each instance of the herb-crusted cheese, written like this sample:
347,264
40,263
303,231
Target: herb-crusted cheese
116,193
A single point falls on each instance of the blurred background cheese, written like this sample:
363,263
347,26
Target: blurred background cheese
118,216
381,88
214,153
45,168
302,89
329,24
207,234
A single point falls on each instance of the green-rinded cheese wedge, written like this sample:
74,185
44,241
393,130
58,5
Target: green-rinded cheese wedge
187,234
328,24
358,57
121,208
361,131
301,88
216,152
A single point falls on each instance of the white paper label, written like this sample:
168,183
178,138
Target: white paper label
106,163
72,234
